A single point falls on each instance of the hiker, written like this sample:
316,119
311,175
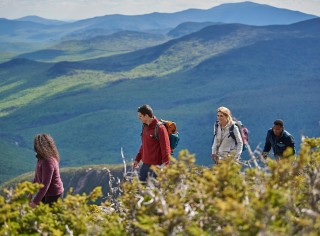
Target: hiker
223,142
152,151
279,139
47,171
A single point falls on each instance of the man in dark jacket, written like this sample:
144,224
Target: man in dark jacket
152,151
279,139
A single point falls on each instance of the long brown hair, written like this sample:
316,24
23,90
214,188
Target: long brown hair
45,147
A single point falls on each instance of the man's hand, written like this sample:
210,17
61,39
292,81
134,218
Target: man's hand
265,155
135,164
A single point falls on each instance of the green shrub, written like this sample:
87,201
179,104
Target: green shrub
185,199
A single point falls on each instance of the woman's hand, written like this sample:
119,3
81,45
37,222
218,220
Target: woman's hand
214,158
32,204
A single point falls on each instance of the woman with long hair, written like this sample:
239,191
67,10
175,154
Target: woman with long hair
223,143
47,171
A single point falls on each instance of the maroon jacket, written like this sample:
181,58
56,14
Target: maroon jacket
47,173
152,151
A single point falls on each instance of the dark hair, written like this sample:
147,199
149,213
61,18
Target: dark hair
146,110
278,123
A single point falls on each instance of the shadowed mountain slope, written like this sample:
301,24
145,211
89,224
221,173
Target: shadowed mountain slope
99,46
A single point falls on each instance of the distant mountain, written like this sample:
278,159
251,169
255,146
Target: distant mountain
255,14
230,36
117,43
260,72
188,28
245,13
33,33
10,27
40,20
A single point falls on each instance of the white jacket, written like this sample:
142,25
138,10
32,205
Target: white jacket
224,144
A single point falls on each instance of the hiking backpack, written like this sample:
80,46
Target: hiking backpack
172,132
243,132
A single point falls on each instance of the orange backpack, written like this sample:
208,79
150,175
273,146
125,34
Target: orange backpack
172,131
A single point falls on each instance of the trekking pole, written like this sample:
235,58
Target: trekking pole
253,157
246,143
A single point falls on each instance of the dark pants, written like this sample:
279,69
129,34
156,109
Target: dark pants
145,172
50,199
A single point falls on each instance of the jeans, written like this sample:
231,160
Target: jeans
145,172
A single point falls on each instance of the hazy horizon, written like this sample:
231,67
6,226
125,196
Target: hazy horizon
77,10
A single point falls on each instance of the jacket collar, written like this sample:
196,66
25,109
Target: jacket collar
153,123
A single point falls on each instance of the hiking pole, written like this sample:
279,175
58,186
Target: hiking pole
253,157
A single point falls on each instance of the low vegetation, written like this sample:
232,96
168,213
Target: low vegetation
185,199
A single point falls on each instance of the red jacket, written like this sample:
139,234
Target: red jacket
152,151
47,173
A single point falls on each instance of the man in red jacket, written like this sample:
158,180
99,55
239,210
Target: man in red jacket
152,151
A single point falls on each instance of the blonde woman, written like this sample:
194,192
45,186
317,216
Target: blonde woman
47,171
223,143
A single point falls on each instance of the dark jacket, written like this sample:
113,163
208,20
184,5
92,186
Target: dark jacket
152,151
278,144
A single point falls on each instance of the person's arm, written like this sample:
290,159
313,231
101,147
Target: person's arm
214,142
239,142
267,146
139,154
47,173
138,157
214,146
164,144
292,144
30,195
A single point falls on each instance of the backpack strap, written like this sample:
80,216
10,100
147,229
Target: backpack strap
156,130
231,134
216,128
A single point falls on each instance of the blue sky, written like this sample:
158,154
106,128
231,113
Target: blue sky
82,9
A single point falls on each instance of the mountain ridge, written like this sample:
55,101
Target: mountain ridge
225,13
212,33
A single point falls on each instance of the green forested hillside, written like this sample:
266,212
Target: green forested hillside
98,46
89,107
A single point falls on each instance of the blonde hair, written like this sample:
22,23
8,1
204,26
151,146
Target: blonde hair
45,147
225,111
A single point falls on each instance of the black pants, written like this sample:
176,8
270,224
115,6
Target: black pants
145,172
50,199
